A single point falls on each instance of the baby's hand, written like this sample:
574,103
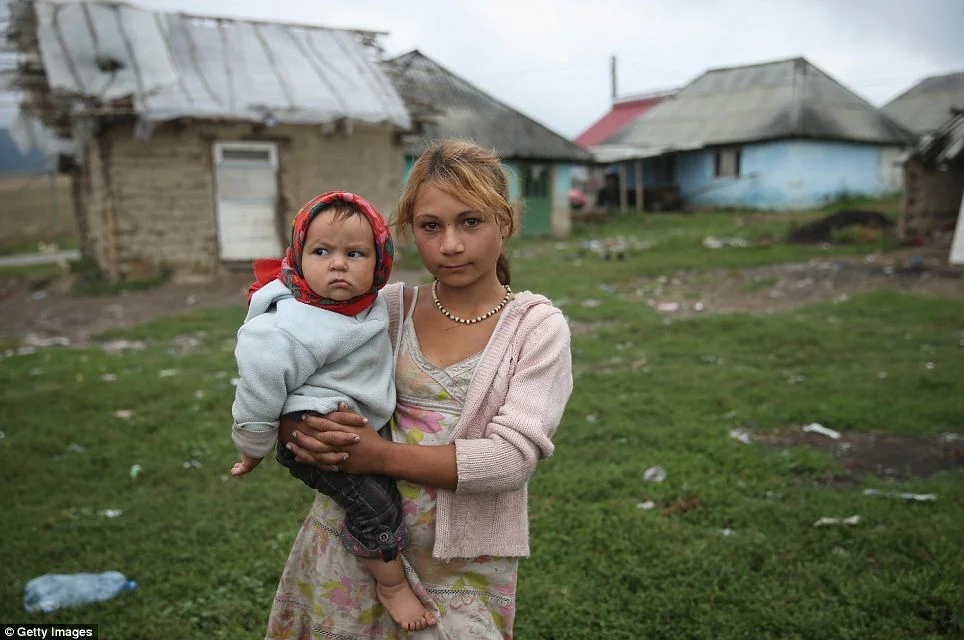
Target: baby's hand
247,464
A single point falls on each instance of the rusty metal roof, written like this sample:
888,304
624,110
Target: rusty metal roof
173,65
775,100
445,105
927,105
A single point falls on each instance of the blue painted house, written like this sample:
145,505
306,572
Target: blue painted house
539,160
775,136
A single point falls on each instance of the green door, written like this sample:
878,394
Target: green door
536,190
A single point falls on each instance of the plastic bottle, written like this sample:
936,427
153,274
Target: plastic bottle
56,591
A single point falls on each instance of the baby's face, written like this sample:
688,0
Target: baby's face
339,256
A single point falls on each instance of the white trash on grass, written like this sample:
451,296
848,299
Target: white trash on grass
654,474
824,522
916,497
815,427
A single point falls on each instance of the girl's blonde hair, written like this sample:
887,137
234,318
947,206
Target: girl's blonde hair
470,174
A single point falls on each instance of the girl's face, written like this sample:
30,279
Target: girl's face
458,245
339,256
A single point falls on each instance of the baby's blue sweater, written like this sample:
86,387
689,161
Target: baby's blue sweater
296,357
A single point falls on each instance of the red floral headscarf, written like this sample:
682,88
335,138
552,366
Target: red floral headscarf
289,270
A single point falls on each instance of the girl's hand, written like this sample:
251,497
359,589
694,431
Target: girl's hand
323,441
366,456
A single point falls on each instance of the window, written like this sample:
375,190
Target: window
664,170
250,155
726,163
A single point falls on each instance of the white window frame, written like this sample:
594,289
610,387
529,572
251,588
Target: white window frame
270,147
732,169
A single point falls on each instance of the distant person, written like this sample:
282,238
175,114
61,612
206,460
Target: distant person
482,378
316,335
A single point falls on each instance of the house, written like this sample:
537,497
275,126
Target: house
199,138
604,188
927,105
934,183
778,135
444,105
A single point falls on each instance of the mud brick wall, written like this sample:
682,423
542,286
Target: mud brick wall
148,203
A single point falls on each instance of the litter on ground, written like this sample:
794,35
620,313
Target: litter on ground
916,497
654,474
824,522
815,427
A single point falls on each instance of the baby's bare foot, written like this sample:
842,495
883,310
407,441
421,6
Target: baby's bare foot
404,606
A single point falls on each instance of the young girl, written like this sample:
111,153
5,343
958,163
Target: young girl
315,336
482,378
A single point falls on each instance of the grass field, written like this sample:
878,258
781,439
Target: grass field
729,551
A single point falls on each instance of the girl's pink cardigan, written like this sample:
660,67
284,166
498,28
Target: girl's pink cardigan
514,404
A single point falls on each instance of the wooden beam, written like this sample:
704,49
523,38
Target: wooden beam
623,205
639,184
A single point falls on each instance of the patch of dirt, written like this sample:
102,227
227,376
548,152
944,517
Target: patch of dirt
877,454
777,288
54,312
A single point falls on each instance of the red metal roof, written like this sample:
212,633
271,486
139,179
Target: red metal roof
622,113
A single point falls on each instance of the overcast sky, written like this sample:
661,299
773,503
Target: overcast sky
550,58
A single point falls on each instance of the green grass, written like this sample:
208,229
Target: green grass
207,552
568,268
38,274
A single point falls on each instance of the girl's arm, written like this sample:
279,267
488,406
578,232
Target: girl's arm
520,433
342,442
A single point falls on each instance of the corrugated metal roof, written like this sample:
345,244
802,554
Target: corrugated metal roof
174,65
927,105
450,107
784,99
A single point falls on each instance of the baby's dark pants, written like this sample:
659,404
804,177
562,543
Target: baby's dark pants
374,526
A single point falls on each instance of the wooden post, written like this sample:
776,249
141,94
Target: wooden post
78,187
110,214
639,185
623,205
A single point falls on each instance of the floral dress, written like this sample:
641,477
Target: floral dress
326,592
